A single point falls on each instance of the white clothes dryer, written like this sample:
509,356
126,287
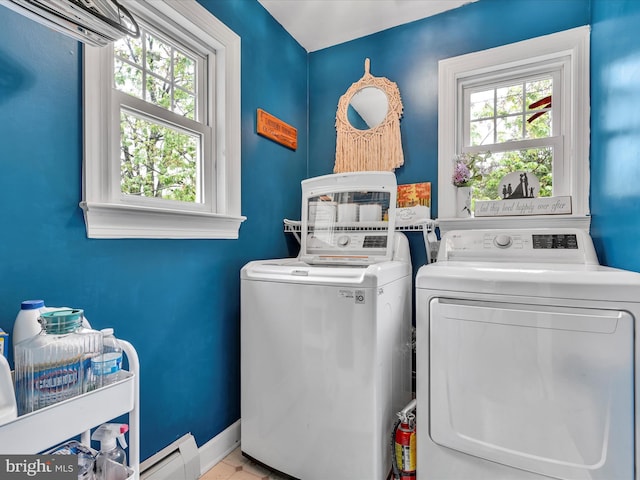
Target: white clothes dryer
326,337
526,360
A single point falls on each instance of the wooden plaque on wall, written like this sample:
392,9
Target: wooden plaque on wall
276,130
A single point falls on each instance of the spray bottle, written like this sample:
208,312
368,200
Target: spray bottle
111,460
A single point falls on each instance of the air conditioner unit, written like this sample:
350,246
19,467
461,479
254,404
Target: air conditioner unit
96,22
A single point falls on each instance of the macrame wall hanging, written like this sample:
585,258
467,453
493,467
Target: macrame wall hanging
368,126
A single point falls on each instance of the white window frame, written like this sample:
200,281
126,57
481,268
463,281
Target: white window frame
570,49
108,214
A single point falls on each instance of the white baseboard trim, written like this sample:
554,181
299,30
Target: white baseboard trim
219,447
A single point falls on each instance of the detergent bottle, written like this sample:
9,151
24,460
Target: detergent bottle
8,409
26,324
111,460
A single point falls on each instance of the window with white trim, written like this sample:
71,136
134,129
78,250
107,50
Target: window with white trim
520,107
162,127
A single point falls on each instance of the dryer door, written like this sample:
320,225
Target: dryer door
544,389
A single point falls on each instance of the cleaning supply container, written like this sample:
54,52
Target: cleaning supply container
111,460
8,409
26,324
55,364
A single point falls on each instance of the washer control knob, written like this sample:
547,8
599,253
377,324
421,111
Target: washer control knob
343,241
502,241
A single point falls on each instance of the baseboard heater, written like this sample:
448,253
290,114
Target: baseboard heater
178,461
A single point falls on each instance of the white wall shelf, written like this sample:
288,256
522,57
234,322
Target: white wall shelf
534,221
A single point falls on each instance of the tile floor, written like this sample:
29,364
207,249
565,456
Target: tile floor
237,467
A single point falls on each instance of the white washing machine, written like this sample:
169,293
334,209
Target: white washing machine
325,337
526,360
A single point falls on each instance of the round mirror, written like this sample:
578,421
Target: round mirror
367,108
368,126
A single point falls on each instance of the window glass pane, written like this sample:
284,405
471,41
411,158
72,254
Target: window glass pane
509,100
509,129
129,48
158,161
539,122
184,71
538,125
158,92
127,78
538,161
184,103
538,90
158,57
481,104
482,132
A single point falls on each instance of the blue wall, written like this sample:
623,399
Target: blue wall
177,301
615,132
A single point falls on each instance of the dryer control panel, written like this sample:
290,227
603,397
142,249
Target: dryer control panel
568,246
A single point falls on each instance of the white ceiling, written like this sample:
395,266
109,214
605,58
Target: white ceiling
318,24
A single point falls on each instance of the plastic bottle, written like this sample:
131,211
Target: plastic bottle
111,460
8,409
107,367
53,365
92,349
26,324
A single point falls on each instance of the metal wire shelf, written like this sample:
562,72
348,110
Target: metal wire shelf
295,226
427,227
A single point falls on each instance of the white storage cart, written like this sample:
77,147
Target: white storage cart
45,428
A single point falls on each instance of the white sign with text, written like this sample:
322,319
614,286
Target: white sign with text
523,206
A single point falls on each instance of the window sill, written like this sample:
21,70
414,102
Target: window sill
533,221
104,220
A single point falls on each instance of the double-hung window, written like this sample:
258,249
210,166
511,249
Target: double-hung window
518,108
162,127
512,126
